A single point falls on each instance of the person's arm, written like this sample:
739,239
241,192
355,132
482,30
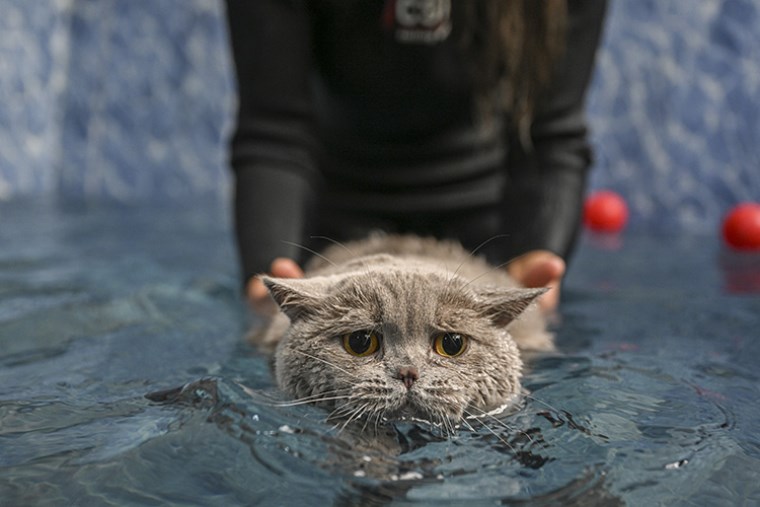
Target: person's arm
272,151
544,202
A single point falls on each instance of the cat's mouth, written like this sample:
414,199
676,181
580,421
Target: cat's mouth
410,408
413,408
408,412
410,415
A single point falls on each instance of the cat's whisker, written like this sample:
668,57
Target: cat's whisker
472,254
447,425
311,400
336,243
492,238
547,405
486,273
271,401
378,416
325,361
311,251
341,410
493,269
482,245
491,431
340,419
342,416
346,410
278,401
330,392
492,418
552,408
366,421
464,422
354,415
454,424
259,396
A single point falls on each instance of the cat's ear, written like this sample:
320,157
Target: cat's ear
503,306
296,297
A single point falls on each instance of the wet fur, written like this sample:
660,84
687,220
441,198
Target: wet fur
406,288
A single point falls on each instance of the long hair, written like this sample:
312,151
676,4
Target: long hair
514,46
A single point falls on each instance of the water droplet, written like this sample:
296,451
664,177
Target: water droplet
676,465
410,476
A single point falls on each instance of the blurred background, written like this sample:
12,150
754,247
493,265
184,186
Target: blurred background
133,101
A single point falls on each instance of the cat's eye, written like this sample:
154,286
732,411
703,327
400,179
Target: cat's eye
361,343
449,344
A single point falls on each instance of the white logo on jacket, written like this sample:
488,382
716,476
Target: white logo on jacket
422,21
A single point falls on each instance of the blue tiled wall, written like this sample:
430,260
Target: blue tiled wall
31,39
134,99
675,109
124,99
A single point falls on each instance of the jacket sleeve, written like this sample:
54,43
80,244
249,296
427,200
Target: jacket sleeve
544,200
272,150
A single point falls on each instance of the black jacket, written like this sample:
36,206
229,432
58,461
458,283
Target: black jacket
349,105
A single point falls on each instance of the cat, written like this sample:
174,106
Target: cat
400,327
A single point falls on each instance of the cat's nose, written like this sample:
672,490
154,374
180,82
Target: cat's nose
408,374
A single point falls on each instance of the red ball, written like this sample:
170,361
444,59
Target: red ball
605,211
741,227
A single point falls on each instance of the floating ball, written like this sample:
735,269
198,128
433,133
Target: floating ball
605,211
741,226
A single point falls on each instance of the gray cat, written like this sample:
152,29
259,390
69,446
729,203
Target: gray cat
402,328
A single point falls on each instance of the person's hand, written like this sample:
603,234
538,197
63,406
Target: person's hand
258,294
540,268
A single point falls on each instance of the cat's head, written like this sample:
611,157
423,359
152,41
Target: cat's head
399,342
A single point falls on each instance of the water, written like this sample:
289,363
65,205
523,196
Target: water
653,401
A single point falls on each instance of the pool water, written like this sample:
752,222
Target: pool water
125,380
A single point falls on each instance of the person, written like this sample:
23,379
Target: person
459,120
